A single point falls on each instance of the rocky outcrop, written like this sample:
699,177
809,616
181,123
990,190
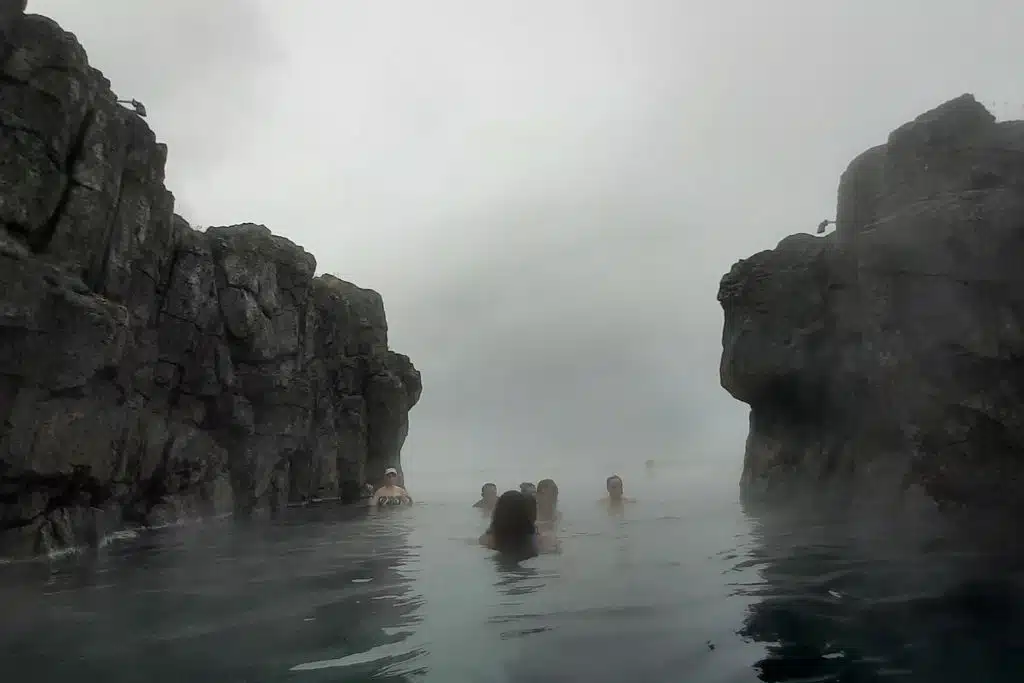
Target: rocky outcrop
149,371
890,353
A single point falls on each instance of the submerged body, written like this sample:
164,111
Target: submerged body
396,496
537,543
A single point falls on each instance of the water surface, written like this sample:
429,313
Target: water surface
681,587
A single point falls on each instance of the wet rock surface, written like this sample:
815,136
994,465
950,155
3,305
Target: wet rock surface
889,354
149,371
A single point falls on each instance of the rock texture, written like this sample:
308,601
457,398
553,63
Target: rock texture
149,371
890,353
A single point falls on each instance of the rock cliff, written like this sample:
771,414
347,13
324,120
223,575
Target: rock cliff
149,371
890,353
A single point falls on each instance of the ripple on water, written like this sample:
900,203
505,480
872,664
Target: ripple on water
668,594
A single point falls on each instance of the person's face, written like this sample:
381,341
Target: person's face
490,493
391,479
615,488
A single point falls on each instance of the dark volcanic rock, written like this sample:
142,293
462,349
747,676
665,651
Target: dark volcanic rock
891,352
149,371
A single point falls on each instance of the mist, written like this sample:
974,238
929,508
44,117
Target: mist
546,195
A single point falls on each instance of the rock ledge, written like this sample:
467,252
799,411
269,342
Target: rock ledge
149,371
888,356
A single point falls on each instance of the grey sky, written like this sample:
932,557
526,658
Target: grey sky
545,193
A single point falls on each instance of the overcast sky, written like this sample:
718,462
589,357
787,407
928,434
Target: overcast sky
546,193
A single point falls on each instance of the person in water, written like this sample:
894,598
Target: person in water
391,493
528,488
547,501
513,530
615,499
488,497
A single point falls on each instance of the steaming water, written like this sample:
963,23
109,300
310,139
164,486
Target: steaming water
682,588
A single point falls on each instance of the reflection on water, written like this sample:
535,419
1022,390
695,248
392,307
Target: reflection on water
212,604
832,606
670,588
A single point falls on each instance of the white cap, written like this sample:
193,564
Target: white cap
390,470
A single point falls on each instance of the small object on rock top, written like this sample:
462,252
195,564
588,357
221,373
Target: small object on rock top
139,107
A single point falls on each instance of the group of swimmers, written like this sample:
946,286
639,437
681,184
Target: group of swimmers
522,521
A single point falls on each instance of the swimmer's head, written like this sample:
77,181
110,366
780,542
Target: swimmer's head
614,486
489,491
528,488
547,499
547,491
391,476
513,522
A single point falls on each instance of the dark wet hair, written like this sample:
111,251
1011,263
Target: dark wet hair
548,484
487,486
513,524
